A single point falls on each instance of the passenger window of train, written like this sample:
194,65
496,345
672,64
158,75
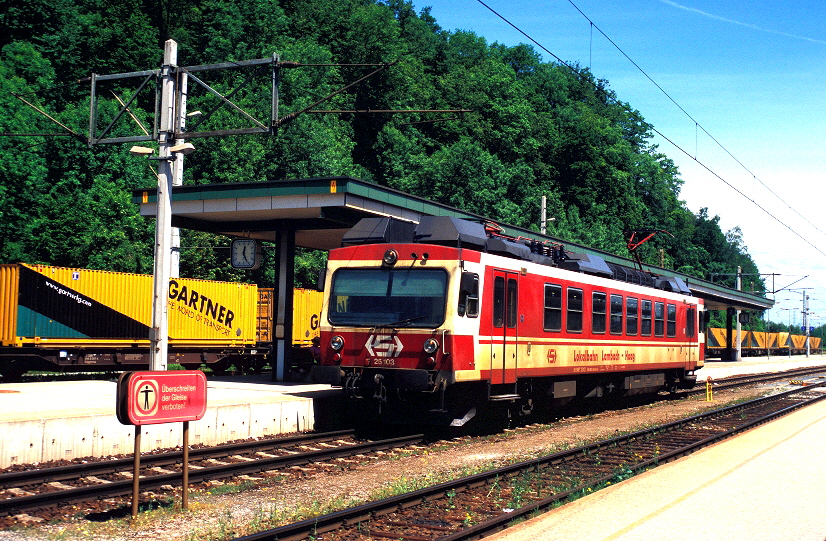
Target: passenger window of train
469,294
645,323
690,316
498,301
659,318
616,314
574,310
631,315
671,322
512,305
598,312
553,307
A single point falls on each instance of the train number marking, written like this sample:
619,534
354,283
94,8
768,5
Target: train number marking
381,362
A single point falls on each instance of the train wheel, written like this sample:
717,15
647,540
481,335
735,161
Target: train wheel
12,370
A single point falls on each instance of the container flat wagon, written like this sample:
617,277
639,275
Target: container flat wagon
84,320
760,343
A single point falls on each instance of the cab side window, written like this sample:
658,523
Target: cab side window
631,316
574,310
671,321
553,307
598,312
469,294
616,314
659,318
645,320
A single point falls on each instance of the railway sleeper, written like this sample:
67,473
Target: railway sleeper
434,527
97,480
397,535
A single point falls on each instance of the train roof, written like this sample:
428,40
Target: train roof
455,232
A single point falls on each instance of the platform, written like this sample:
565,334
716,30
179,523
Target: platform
757,365
71,419
764,485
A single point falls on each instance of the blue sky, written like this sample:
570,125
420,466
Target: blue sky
752,74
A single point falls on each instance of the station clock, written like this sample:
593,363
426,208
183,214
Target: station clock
246,254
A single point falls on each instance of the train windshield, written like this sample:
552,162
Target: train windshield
388,297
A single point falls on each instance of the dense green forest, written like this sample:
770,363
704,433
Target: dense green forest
535,128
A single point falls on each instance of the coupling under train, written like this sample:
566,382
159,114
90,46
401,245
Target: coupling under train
447,320
68,319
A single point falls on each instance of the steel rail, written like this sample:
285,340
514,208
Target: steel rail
365,512
120,488
76,471
500,522
736,381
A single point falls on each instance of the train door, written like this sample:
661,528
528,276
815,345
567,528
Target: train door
505,327
692,334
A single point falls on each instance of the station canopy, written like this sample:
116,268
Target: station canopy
320,210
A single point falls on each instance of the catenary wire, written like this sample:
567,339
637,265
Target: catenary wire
707,168
696,124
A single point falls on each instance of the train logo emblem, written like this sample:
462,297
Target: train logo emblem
383,346
146,398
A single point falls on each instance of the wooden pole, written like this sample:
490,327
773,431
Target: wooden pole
185,483
136,472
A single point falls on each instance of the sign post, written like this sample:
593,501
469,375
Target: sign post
185,480
156,397
136,470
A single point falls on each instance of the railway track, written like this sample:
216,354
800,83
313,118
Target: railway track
52,487
37,489
476,506
739,381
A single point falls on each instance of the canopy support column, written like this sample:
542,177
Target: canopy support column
284,281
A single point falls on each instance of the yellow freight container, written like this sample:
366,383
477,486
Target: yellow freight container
799,341
9,278
759,339
306,315
746,339
716,337
65,306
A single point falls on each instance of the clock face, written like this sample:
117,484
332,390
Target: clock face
246,254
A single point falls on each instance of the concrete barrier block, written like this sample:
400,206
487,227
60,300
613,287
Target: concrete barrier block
22,443
66,434
296,416
232,422
68,438
111,437
265,419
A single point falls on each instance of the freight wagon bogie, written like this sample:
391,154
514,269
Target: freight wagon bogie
446,322
15,363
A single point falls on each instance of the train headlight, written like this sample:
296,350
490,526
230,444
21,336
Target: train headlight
390,258
337,342
431,346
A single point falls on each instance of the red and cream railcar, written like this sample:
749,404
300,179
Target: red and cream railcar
435,322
